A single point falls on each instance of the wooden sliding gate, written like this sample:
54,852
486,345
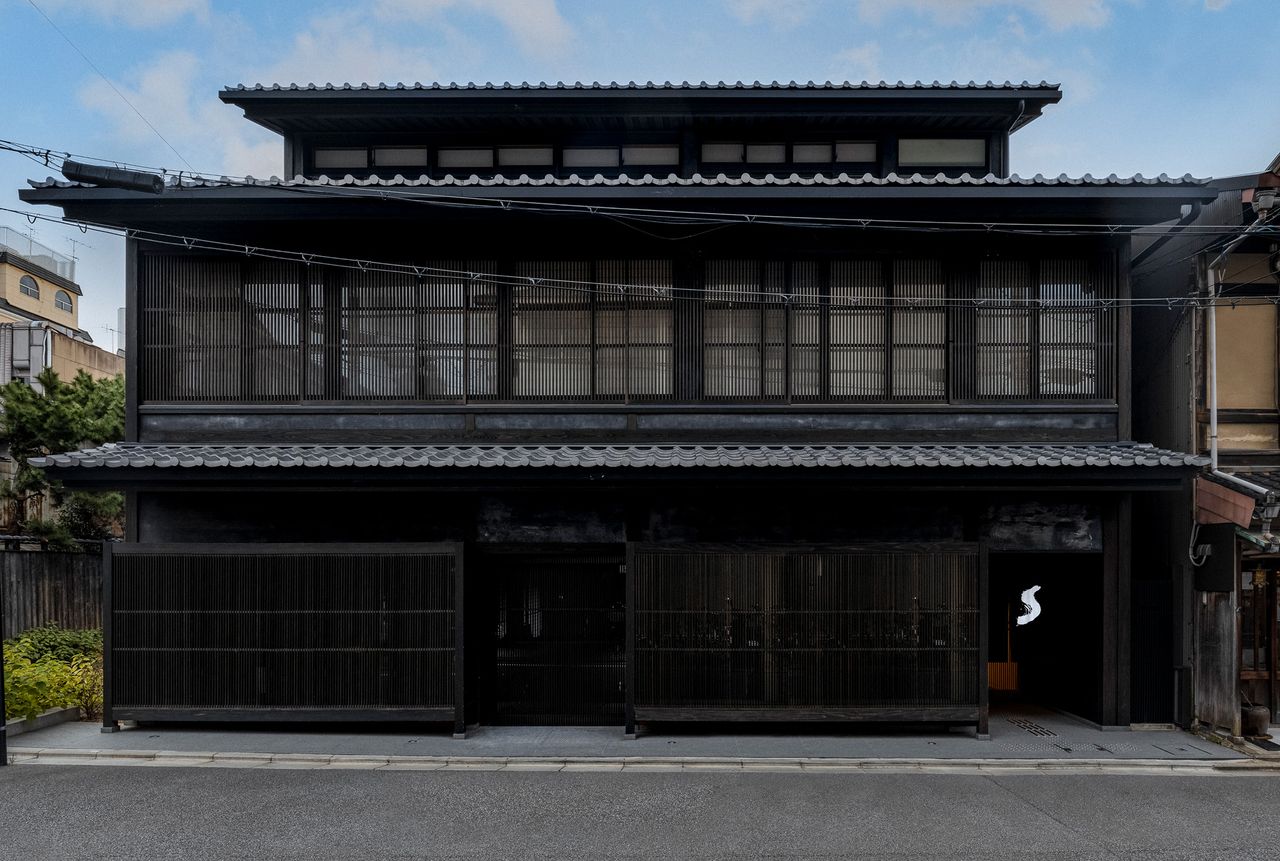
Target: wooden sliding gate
807,633
222,632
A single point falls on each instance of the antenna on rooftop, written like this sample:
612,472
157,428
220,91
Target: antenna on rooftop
75,244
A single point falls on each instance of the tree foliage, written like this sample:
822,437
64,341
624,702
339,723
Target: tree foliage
62,416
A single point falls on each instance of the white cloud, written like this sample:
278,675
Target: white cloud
211,136
135,13
536,25
340,48
1216,5
784,13
860,63
1058,14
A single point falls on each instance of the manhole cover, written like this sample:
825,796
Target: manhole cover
1031,726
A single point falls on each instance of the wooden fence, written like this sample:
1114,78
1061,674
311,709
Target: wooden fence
42,587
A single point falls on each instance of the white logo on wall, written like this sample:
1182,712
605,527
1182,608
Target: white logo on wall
1030,605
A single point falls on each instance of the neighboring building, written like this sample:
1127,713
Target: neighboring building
39,328
606,418
1230,650
38,284
40,315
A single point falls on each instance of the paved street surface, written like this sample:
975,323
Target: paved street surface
108,812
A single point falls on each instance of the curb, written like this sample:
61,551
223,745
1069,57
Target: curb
20,726
210,759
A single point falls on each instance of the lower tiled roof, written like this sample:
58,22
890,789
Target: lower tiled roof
1267,480
122,455
672,180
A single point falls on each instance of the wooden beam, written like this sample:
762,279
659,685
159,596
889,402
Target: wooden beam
1218,504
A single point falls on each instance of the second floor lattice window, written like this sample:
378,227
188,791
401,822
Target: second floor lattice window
869,330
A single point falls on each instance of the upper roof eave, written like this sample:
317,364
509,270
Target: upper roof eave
859,89
269,105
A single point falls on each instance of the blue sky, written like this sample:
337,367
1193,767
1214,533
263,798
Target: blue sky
1150,86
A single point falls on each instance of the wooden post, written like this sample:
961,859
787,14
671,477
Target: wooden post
629,676
984,683
108,721
459,646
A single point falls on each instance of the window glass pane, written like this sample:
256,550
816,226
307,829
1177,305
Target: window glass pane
62,300
811,153
806,330
590,157
1002,326
655,155
481,300
379,327
526,156
722,153
857,330
1073,329
942,152
336,158
919,330
634,331
192,315
763,153
468,158
743,335
856,151
28,286
551,331
400,156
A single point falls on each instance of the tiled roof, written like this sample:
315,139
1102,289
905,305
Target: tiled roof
1268,480
647,85
718,180
122,455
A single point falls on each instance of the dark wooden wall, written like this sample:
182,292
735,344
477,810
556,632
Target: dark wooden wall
585,515
43,587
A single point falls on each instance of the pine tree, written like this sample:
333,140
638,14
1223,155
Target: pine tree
62,417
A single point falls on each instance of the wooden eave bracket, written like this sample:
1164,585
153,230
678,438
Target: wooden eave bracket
1218,504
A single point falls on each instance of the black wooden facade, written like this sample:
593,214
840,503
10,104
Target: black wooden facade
685,416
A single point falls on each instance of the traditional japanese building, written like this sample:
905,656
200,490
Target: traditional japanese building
1210,385
631,403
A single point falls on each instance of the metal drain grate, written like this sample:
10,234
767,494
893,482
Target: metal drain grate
1031,726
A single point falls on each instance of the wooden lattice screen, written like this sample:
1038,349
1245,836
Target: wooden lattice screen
283,632
808,633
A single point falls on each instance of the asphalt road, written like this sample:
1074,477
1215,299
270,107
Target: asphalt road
108,812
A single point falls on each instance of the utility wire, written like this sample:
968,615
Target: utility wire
114,88
677,217
617,289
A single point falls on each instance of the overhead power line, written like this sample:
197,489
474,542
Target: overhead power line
108,81
616,289
643,214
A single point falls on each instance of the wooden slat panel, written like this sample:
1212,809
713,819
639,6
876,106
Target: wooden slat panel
260,630
41,588
853,631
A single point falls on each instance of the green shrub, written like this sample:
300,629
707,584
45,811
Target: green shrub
31,687
52,667
54,641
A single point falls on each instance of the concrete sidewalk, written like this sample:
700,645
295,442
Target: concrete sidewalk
1020,738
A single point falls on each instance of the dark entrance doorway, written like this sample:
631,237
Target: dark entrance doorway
1054,658
558,631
